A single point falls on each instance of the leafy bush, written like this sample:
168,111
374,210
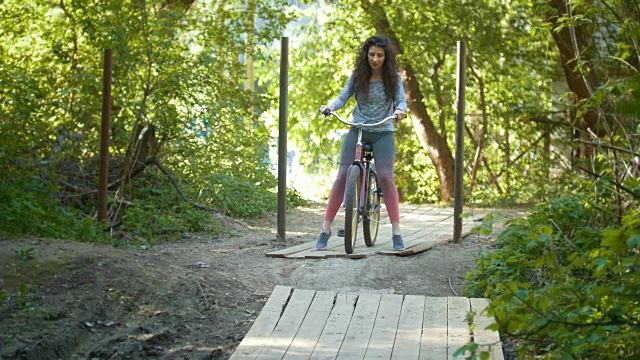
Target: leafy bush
159,210
245,198
566,280
30,206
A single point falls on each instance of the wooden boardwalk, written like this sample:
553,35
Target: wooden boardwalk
307,324
423,227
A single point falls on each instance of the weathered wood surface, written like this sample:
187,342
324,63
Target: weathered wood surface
305,324
423,227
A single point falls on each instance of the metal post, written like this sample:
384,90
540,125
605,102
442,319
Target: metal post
282,137
459,161
104,136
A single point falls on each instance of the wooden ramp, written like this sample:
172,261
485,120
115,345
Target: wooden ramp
423,227
307,324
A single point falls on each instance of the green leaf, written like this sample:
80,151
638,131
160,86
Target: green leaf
633,242
614,240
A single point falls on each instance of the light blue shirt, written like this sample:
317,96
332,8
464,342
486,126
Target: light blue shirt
374,107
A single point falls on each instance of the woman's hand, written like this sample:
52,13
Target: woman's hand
325,110
399,115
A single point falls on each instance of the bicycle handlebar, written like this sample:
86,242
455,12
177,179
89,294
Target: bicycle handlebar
362,125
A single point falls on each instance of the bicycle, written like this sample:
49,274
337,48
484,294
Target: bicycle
362,193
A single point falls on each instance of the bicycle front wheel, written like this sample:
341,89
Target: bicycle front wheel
371,221
351,207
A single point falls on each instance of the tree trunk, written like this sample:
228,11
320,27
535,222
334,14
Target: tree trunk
250,45
483,131
435,145
571,41
143,145
493,175
507,154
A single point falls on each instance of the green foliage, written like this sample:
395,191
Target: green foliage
295,199
566,279
486,227
240,198
245,198
517,89
28,205
27,306
178,71
159,212
24,254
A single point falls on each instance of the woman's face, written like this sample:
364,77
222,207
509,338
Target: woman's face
376,57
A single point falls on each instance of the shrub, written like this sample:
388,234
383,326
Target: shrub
29,206
565,284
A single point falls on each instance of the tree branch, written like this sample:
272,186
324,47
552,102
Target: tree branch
607,147
631,192
154,160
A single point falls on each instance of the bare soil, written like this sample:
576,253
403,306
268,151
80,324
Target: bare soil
189,299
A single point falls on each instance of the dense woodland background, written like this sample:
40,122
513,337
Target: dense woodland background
552,95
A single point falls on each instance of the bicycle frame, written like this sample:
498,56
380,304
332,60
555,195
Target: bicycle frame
365,169
364,165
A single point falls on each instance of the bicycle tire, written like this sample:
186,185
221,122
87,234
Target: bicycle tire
351,207
371,222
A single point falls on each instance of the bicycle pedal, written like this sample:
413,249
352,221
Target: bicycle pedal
340,233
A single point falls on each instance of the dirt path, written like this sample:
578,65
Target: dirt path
191,299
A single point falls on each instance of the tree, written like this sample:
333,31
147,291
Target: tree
506,55
434,143
598,46
177,98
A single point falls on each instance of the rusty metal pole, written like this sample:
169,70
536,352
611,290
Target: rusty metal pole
459,160
104,136
282,138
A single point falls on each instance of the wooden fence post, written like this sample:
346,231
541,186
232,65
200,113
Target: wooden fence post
459,160
282,138
104,136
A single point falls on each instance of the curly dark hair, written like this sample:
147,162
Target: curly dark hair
362,71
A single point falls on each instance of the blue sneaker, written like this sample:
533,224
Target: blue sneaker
398,244
322,240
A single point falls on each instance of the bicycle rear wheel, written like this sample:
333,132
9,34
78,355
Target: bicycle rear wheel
372,220
352,205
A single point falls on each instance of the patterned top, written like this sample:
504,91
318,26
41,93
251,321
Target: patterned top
374,107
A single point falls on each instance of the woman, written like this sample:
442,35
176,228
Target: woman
377,88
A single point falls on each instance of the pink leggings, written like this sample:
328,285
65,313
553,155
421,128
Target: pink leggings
384,154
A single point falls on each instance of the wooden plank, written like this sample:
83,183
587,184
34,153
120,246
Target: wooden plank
362,250
457,327
320,254
383,335
419,224
425,233
264,325
307,337
359,332
439,236
433,343
422,210
413,247
288,325
290,250
334,243
425,246
336,328
407,345
481,335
